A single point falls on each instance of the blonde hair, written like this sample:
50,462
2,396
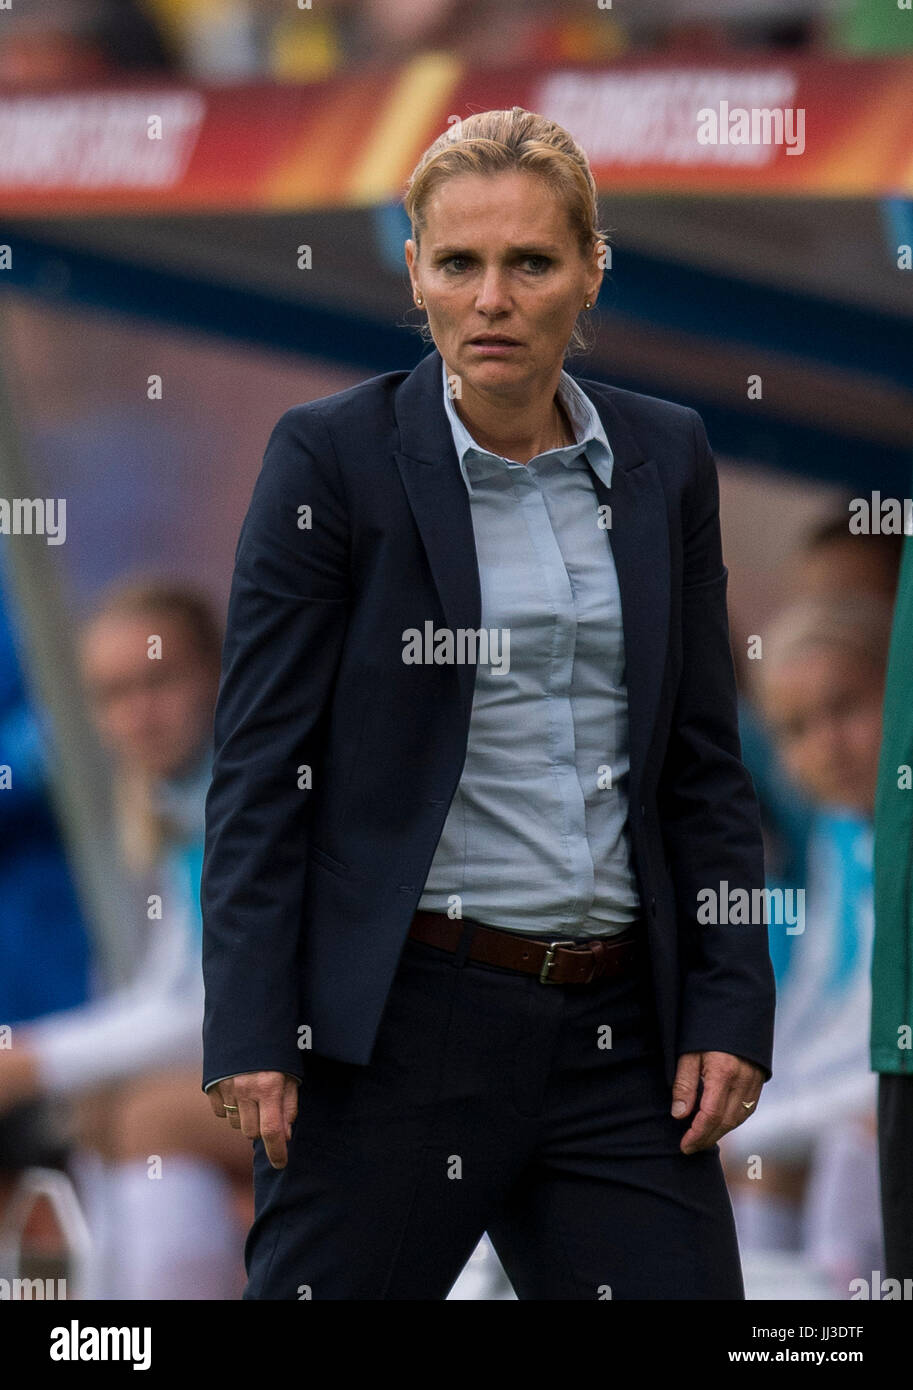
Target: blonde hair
492,142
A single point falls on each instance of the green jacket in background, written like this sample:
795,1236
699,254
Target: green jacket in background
892,961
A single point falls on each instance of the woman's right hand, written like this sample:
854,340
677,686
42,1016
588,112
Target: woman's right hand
267,1106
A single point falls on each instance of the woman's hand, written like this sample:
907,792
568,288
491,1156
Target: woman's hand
267,1105
732,1086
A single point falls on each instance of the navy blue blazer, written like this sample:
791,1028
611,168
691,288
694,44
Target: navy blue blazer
336,762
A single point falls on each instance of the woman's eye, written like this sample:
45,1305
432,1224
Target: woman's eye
455,265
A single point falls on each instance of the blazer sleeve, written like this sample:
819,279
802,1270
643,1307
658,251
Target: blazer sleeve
285,627
708,808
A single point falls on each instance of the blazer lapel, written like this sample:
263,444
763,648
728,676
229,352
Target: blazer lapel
430,470
639,537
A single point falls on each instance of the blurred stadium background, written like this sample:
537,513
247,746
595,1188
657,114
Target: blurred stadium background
182,258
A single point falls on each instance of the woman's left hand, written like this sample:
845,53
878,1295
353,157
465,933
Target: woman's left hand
731,1087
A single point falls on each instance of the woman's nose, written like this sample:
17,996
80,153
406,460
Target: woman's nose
491,294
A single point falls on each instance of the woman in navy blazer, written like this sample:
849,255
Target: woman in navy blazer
557,1069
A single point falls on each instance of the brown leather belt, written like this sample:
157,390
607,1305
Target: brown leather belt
555,962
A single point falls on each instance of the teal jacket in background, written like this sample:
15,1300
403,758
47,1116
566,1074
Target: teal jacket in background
891,1041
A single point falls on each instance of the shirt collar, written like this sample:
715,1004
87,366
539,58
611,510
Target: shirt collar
591,447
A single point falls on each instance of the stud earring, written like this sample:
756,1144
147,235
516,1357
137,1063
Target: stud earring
419,301
588,305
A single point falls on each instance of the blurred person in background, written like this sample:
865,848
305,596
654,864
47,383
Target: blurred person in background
833,561
270,38
829,562
130,1061
490,31
44,950
786,814
244,40
820,684
50,41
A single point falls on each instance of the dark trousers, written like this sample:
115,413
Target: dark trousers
895,1154
538,1113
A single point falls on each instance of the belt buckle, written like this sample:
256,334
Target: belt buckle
549,962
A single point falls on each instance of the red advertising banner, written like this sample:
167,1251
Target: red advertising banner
746,125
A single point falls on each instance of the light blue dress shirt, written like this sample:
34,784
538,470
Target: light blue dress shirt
536,837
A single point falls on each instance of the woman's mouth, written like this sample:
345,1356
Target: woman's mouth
494,346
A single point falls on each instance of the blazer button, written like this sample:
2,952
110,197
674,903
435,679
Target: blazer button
643,811
653,906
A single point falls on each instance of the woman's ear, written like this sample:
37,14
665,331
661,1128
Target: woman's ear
410,252
601,257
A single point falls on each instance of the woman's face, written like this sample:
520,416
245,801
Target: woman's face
152,714
824,708
499,256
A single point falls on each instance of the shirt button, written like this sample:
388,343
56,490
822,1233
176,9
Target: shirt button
643,811
653,906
